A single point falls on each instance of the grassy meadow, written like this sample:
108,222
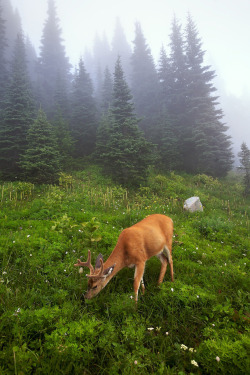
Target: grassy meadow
196,325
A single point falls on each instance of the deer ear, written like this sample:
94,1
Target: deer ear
98,261
109,270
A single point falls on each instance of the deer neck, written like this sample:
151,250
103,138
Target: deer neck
115,259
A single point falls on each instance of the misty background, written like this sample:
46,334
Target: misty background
86,26
223,27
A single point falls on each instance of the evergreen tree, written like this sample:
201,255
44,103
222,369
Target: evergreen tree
53,62
121,47
177,88
165,136
107,90
12,26
244,157
65,143
121,147
18,114
204,133
165,80
144,83
31,60
41,160
83,109
3,63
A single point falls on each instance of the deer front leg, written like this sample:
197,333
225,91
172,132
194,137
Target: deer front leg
139,271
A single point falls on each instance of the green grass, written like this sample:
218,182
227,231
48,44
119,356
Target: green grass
46,327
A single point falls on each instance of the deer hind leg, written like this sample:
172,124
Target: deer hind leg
139,271
164,264
168,254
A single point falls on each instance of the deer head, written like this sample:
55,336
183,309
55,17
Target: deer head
98,277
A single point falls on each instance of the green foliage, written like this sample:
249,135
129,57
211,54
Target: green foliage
244,156
198,324
41,160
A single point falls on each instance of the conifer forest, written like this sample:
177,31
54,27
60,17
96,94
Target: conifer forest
117,107
89,150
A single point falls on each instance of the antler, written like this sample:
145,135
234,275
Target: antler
99,274
86,264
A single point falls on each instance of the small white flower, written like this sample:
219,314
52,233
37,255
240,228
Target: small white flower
30,255
217,359
184,347
14,241
213,325
225,264
167,333
172,289
66,252
193,362
199,261
191,350
198,296
28,236
244,255
131,297
150,328
64,270
135,362
4,273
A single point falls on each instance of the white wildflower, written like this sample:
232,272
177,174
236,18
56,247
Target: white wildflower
172,289
193,362
135,362
184,347
217,359
167,333
191,350
150,328
28,236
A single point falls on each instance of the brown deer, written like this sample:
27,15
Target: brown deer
150,237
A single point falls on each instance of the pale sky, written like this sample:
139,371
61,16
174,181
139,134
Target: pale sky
223,26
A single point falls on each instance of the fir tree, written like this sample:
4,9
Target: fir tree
83,120
121,147
144,83
65,143
41,160
107,90
18,114
121,47
244,157
204,133
53,62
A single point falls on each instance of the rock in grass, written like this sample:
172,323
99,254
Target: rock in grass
193,204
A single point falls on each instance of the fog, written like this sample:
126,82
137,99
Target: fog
223,27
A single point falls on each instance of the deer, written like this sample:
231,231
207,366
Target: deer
149,237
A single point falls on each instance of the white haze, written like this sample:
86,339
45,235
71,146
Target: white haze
223,26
